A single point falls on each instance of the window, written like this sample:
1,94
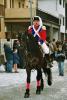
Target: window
19,4
60,21
60,2
0,24
5,3
63,20
63,3
12,3
26,6
22,5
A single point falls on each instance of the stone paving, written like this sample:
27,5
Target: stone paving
58,90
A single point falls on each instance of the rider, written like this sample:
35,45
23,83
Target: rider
39,32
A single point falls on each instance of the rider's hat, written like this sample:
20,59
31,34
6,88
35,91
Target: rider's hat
36,18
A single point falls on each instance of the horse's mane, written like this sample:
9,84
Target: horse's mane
32,45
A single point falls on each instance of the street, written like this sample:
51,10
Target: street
58,90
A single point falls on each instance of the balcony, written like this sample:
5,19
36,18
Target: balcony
19,13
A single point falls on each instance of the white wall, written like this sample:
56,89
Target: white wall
54,8
48,6
62,29
55,34
60,8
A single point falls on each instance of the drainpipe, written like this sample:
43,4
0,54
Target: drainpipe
30,11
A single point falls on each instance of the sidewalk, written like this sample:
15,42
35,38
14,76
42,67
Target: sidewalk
12,86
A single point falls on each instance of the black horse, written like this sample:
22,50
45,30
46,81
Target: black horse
35,60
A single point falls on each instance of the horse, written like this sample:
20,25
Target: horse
35,60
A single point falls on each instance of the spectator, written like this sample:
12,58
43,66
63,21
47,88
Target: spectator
51,49
60,57
15,60
20,46
9,57
21,53
54,47
16,44
65,48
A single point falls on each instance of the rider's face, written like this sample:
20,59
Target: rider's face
36,23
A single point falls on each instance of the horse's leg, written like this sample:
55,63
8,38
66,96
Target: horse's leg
27,93
48,60
49,75
42,82
39,74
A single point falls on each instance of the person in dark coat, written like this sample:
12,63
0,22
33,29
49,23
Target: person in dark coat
60,57
20,46
15,60
9,57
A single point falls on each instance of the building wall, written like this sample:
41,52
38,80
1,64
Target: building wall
19,9
60,8
18,12
2,2
53,7
66,21
56,9
2,34
48,6
66,15
22,3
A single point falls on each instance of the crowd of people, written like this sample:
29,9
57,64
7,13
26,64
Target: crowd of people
14,56
57,53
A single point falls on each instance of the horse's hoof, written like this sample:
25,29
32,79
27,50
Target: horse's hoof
27,95
38,91
42,87
49,83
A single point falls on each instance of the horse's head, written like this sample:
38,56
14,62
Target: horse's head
33,46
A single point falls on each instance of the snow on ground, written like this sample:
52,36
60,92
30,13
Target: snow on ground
7,79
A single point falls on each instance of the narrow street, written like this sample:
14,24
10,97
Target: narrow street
58,90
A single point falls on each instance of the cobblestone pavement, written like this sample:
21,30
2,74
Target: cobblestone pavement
58,90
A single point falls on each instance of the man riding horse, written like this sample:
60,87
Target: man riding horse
38,31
